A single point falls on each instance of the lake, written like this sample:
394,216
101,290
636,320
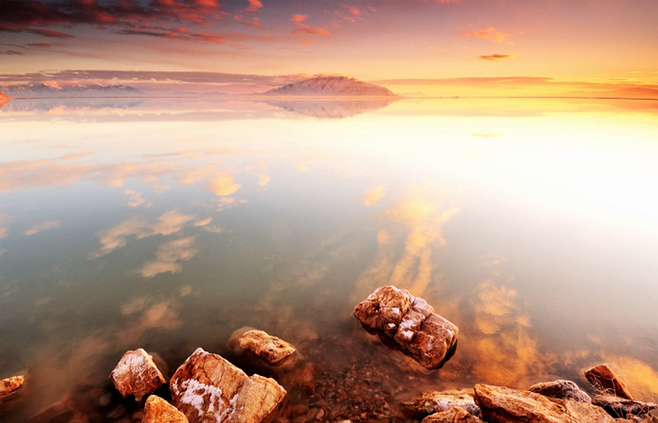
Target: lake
167,224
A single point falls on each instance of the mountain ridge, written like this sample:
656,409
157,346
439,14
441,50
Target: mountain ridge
54,89
331,86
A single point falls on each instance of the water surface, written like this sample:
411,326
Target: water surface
167,224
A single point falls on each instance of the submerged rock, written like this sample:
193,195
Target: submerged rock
272,350
623,407
11,387
409,324
433,402
604,380
158,410
207,388
137,374
507,405
452,415
564,389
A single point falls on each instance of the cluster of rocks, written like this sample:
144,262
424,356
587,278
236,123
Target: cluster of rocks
556,401
208,388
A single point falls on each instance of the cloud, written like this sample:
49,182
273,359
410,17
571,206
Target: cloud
305,29
253,22
3,228
254,6
298,18
496,57
489,33
12,53
353,10
442,1
168,223
41,227
123,17
374,196
223,184
169,256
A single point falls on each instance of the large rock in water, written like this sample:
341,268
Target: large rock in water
158,410
207,388
564,389
137,374
605,380
453,415
432,402
270,349
623,407
410,323
507,405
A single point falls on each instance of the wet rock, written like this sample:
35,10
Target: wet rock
207,388
409,324
623,407
604,380
507,405
564,389
136,374
158,410
12,390
452,415
274,351
434,402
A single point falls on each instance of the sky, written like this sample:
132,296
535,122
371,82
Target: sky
516,46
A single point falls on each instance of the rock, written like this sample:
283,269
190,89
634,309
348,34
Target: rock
604,380
564,389
60,412
158,410
136,374
207,388
409,324
434,402
11,390
623,407
507,405
274,351
452,415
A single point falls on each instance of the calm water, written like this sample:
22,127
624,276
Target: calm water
167,224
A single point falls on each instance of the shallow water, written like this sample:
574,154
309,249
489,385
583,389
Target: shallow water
168,224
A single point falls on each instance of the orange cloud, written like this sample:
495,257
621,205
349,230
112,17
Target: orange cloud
489,33
373,196
298,18
496,57
353,10
169,257
254,6
41,227
305,29
223,184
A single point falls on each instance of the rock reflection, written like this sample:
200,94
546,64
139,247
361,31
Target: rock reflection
331,108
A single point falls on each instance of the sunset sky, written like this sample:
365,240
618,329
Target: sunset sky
411,45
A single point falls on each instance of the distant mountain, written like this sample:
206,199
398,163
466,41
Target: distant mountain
3,99
54,89
331,86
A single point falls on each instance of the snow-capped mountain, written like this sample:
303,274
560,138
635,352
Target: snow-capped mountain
331,86
54,89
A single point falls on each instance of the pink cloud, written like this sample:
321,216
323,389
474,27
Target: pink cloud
496,57
489,33
298,18
353,10
305,29
254,6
